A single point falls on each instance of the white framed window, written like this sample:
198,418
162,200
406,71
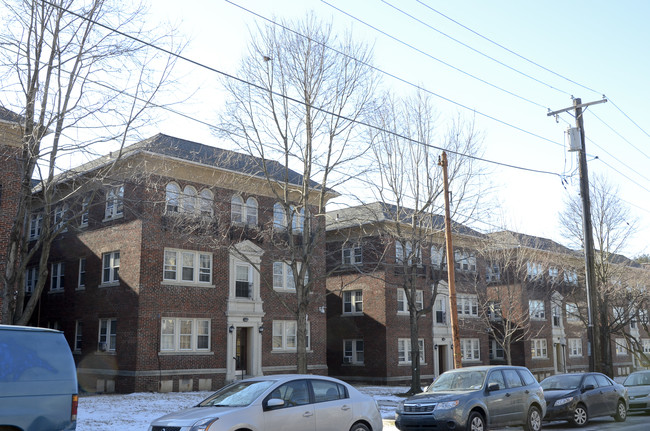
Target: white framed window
633,318
236,209
403,251
172,198
492,272
251,211
180,334
575,347
494,310
465,261
78,335
31,278
536,309
298,220
353,352
570,276
352,254
572,312
404,351
111,267
643,316
206,200
85,211
402,303
81,280
621,346
60,218
353,301
57,278
107,340
619,314
243,280
470,349
35,226
553,272
440,309
538,348
646,345
556,315
467,305
285,335
187,267
437,256
279,217
114,203
189,200
533,270
496,350
283,277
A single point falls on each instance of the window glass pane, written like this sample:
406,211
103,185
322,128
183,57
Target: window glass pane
278,275
170,265
167,330
188,267
203,334
185,341
291,331
205,270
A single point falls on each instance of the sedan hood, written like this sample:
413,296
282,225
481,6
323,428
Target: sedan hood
553,395
188,417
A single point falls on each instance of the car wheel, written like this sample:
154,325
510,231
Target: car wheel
359,427
476,422
533,420
580,416
621,412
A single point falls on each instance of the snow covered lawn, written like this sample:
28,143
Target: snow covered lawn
133,412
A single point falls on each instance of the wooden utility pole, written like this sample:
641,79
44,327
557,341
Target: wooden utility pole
453,308
593,332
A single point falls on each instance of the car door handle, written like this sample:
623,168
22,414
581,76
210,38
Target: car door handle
507,394
345,407
527,391
307,414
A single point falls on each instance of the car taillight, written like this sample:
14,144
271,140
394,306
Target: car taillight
73,410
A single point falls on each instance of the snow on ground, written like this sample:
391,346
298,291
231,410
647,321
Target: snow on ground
133,412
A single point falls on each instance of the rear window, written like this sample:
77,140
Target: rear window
527,377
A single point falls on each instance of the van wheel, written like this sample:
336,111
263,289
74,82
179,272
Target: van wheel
580,416
533,419
621,412
476,422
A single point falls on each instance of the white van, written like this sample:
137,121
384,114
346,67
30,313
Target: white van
38,380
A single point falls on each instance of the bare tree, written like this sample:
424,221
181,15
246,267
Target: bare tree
302,89
406,146
78,82
613,225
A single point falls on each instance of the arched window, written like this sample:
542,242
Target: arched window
172,194
279,217
206,200
298,221
236,209
189,200
251,211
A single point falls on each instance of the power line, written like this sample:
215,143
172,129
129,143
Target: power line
478,51
508,49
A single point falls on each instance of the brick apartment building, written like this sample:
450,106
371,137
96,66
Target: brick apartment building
171,275
10,166
368,319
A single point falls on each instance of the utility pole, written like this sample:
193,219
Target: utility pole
593,332
453,309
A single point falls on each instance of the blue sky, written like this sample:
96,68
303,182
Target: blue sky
585,49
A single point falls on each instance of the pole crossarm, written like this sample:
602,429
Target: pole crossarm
570,108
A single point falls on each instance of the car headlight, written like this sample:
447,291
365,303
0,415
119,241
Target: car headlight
400,406
203,424
446,405
563,401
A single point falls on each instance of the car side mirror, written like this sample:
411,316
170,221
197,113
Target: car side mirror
274,403
493,387
586,388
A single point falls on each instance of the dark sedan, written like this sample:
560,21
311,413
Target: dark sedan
578,397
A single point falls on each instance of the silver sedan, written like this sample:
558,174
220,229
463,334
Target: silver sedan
279,403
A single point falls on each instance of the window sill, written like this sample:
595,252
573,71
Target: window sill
80,288
110,284
182,284
355,314
107,353
55,291
116,217
354,364
289,351
408,364
184,353
285,290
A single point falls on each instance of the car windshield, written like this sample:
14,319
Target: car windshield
637,379
238,394
561,383
458,381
